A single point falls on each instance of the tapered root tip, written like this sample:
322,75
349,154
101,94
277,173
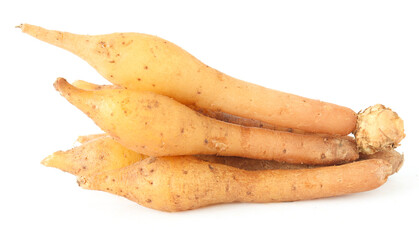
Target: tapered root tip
24,27
65,88
46,161
60,83
88,138
53,159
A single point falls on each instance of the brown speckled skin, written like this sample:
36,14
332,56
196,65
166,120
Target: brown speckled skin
89,158
184,183
225,117
157,125
144,62
181,183
99,152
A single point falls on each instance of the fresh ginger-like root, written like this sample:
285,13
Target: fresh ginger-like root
184,182
157,125
378,128
149,63
219,115
99,152
113,149
181,183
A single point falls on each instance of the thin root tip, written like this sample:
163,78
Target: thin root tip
59,83
66,89
51,160
19,26
46,160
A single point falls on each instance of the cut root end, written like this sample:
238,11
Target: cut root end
378,128
385,171
82,182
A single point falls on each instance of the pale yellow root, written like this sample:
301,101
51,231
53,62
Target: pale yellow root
101,153
91,86
144,62
225,117
87,138
156,125
90,158
183,183
104,164
94,156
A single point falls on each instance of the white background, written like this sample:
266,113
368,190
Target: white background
352,53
